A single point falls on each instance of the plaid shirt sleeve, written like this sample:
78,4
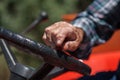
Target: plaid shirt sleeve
98,21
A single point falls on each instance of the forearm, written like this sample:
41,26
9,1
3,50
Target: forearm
99,21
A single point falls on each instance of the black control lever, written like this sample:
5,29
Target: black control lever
43,16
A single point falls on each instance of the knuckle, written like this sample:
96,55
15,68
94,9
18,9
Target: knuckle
47,30
59,36
54,33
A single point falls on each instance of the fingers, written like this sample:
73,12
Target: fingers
54,41
58,39
54,37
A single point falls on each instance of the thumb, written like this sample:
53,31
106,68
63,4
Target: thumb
70,46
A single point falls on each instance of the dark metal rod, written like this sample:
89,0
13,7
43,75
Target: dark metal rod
10,58
43,16
42,72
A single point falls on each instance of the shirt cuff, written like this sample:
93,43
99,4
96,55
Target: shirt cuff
89,40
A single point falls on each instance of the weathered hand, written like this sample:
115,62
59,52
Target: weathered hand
63,36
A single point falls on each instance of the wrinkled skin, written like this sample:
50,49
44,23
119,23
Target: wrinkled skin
64,36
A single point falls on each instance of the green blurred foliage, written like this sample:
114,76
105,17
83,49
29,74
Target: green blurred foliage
16,15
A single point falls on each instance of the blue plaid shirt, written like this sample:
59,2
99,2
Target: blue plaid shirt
98,21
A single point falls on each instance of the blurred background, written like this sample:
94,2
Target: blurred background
17,15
